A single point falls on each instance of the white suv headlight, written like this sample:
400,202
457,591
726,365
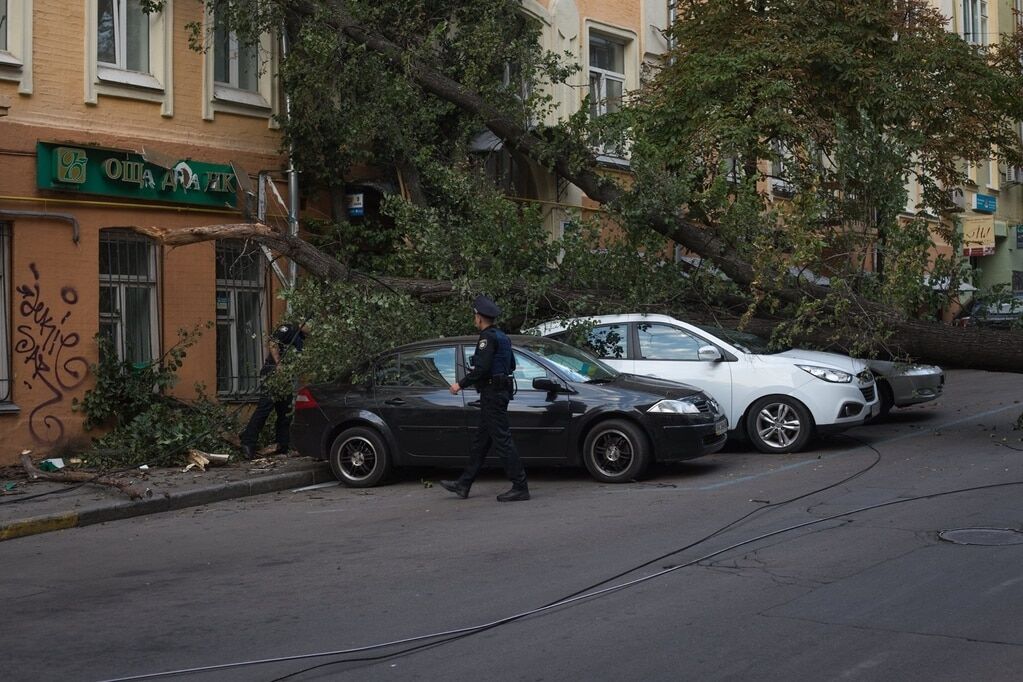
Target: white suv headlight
835,376
681,406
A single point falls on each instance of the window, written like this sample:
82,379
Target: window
526,370
424,368
607,74
16,43
5,313
780,185
122,35
1017,282
4,24
129,52
610,341
238,75
235,63
388,372
240,298
128,313
664,342
975,22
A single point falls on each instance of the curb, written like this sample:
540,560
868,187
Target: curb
318,473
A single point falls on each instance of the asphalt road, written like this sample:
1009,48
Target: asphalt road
871,595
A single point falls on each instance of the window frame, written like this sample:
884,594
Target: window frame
629,41
16,58
975,21
637,352
397,359
121,37
598,106
233,286
225,97
6,305
115,80
121,283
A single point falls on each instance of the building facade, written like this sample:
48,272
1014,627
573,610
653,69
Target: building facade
112,122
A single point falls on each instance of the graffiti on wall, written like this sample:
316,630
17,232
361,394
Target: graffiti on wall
48,348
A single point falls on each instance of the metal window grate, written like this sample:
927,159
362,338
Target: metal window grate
128,311
241,297
6,382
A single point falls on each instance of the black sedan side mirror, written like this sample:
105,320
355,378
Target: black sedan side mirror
545,384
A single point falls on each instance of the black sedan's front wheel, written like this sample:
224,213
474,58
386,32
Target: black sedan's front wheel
616,451
359,457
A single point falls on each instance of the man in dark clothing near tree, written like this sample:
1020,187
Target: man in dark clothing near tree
492,375
286,338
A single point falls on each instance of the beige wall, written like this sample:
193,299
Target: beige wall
52,332
59,88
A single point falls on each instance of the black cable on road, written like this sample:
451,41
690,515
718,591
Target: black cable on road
451,635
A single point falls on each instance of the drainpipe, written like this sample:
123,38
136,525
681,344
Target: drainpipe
672,15
292,173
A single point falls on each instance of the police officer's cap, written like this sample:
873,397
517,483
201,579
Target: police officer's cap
485,307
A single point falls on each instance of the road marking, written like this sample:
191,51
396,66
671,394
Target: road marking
19,529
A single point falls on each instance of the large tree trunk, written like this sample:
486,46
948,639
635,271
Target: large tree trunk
988,349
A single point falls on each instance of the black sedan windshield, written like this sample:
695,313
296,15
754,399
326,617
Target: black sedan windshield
577,365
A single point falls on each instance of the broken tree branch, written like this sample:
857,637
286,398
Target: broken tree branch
133,491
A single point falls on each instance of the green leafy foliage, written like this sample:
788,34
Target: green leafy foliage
145,425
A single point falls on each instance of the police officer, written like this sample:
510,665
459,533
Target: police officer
491,374
286,338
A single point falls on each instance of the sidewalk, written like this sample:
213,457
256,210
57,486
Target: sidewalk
68,505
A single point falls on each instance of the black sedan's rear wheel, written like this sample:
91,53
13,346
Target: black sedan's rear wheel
359,457
616,451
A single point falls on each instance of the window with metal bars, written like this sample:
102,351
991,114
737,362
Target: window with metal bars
5,313
240,307
128,310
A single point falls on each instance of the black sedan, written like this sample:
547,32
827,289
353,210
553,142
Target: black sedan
569,408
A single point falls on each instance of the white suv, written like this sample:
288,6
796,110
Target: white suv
777,400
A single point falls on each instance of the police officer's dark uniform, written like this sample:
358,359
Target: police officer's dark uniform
286,338
491,374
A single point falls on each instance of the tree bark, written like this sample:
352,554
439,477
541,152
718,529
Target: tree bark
127,487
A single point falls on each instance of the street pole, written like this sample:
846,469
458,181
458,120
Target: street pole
292,173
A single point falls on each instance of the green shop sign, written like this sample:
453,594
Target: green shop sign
128,175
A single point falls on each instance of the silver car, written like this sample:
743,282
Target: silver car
899,384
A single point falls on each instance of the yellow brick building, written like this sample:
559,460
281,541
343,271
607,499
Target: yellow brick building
112,121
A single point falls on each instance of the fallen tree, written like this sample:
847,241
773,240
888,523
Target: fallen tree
819,86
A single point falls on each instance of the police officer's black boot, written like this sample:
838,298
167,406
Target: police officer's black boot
518,493
456,487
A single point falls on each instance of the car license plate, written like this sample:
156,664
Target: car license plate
720,427
875,409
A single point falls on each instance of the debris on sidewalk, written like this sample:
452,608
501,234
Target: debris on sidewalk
197,459
52,464
126,486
